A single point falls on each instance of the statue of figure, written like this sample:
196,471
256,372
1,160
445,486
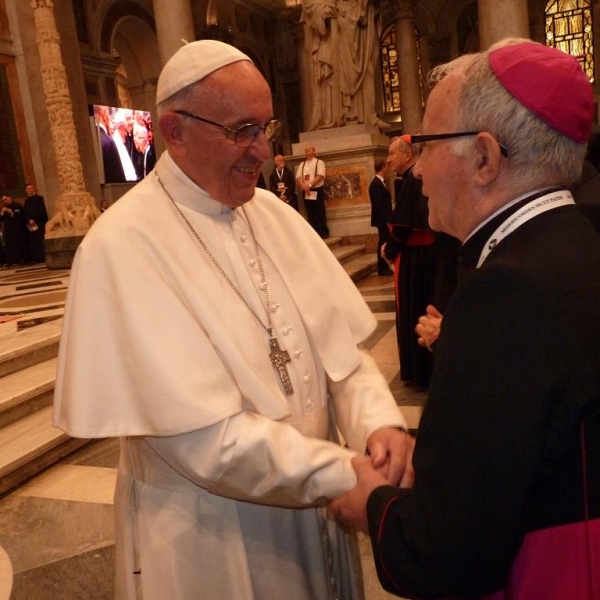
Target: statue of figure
341,37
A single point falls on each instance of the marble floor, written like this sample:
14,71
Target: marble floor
56,531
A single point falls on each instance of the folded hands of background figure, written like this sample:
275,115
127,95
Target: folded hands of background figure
389,463
428,327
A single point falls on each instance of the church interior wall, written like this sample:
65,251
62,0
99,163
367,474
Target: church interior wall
40,165
117,61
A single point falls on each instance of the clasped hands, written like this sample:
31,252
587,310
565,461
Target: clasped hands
428,327
389,462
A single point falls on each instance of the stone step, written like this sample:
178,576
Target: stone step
30,445
361,266
346,253
382,305
333,241
26,391
29,347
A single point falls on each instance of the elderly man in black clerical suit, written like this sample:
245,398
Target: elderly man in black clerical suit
283,183
381,211
506,496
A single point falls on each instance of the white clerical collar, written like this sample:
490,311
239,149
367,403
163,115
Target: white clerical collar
503,208
184,190
380,177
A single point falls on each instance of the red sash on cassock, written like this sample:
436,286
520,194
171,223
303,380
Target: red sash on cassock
417,237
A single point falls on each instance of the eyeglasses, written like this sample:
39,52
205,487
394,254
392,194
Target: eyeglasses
418,141
245,135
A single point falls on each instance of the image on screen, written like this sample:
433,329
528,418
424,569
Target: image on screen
124,143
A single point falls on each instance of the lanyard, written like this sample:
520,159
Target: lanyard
525,213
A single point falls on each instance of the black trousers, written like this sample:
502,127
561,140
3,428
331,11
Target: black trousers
384,234
317,216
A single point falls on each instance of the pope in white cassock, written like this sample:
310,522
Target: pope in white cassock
210,329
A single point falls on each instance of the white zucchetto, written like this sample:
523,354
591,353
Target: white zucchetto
193,62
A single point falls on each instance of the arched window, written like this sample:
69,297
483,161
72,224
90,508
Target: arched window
569,28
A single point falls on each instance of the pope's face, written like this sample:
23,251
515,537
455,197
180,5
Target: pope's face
213,160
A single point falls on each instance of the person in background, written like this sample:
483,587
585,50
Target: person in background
587,190
283,183
15,239
145,158
228,400
310,178
129,115
111,161
411,248
506,497
381,212
120,137
36,217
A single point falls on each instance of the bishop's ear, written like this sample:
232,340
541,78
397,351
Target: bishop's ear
488,154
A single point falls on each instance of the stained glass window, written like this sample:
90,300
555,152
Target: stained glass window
389,70
569,28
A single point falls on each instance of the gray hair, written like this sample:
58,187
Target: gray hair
402,144
537,153
181,99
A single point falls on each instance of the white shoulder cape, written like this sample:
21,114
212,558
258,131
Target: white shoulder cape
155,343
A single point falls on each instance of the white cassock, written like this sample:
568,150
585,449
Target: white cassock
221,475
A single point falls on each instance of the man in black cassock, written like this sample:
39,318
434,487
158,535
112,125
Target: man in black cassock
36,217
411,248
11,214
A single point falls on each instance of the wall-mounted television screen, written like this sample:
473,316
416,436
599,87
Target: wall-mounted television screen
124,143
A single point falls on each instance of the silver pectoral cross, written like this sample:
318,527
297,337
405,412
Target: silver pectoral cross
278,359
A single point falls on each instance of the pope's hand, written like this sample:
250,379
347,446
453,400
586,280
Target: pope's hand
351,508
390,450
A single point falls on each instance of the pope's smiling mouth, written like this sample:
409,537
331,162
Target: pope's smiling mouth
247,170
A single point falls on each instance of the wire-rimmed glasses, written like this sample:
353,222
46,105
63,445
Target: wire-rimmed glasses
244,135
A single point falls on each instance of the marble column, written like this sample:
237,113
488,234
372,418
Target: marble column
502,18
75,207
174,22
408,66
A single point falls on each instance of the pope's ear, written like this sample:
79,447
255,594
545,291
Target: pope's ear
170,127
